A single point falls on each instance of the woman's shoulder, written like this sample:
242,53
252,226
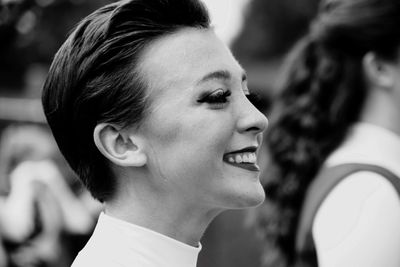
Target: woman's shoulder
358,187
360,214
361,208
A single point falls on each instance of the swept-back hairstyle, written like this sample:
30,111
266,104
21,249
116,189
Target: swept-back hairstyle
322,92
94,78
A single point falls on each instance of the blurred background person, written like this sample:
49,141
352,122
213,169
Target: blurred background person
334,142
42,216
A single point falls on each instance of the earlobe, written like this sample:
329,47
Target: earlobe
378,71
118,146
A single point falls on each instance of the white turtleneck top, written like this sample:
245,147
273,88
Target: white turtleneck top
118,243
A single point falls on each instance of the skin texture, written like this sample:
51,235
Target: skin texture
186,140
184,181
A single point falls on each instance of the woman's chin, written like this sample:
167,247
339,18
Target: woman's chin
251,198
256,199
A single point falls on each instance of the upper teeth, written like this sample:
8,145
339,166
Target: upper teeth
243,158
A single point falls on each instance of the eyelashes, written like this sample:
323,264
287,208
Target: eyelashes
220,97
217,97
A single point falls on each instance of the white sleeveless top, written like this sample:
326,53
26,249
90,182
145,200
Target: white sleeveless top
358,224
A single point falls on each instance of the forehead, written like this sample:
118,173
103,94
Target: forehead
182,59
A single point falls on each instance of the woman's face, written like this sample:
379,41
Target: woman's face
201,134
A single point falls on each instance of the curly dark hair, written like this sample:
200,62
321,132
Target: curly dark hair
321,94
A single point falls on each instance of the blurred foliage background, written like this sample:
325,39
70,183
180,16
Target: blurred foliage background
31,31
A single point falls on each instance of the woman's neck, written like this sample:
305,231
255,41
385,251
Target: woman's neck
163,212
381,108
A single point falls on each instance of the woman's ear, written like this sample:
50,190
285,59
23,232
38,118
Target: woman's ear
378,71
120,147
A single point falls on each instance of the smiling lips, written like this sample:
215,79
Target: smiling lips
245,158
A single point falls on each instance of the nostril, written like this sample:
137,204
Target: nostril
255,123
257,129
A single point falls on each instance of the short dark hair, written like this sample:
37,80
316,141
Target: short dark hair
94,78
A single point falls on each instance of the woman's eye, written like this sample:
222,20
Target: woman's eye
217,97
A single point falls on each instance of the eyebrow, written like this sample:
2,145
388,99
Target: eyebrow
220,75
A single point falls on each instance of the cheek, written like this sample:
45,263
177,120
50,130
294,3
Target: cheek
210,136
165,125
189,140
167,133
205,129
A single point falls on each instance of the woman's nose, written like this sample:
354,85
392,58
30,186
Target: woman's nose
251,119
